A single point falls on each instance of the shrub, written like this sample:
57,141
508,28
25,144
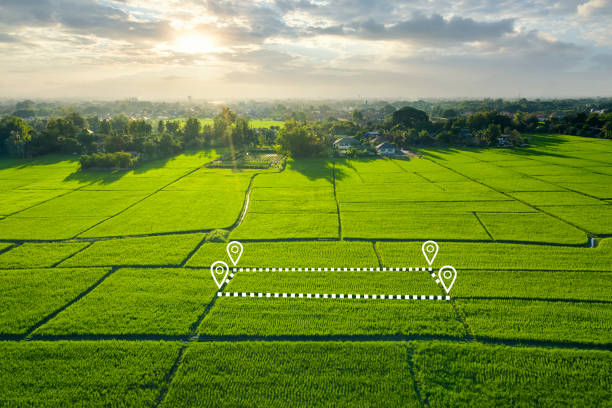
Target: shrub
118,160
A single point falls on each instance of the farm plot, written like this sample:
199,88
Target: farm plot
292,254
554,285
170,211
595,219
247,374
162,250
534,227
45,228
498,256
336,282
39,255
85,204
97,374
273,317
556,198
137,302
410,225
472,374
12,201
564,322
296,203
30,295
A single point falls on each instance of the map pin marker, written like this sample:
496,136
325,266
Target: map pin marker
446,276
234,250
430,250
219,271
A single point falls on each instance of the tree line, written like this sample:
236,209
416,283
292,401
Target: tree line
75,134
99,140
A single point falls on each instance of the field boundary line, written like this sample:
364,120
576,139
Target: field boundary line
589,234
483,226
193,251
314,239
336,199
10,247
417,385
286,295
169,377
329,269
80,296
73,254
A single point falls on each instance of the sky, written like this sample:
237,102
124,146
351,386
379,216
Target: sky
270,49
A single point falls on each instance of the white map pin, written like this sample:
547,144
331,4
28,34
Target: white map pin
446,276
234,251
430,250
219,271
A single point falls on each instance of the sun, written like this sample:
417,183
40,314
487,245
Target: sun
194,44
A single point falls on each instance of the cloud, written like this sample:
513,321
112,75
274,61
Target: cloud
83,17
595,8
423,29
7,38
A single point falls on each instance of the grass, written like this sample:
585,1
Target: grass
161,250
29,296
39,255
496,256
376,282
407,225
137,302
589,323
191,211
534,284
291,254
534,227
330,317
477,375
253,374
97,374
287,226
299,351
45,228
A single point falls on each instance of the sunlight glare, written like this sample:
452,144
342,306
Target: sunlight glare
194,44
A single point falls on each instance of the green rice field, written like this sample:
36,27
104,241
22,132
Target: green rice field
108,299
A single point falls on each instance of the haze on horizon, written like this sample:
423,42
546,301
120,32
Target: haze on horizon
216,49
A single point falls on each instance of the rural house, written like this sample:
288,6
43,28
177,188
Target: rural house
385,149
343,143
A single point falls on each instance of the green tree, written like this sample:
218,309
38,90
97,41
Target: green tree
191,133
14,135
298,140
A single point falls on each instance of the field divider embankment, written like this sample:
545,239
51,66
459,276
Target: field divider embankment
422,396
71,255
110,336
8,248
169,377
81,295
586,244
202,338
483,226
588,233
247,198
337,201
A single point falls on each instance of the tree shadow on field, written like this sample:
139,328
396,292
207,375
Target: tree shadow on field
105,177
537,148
329,169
